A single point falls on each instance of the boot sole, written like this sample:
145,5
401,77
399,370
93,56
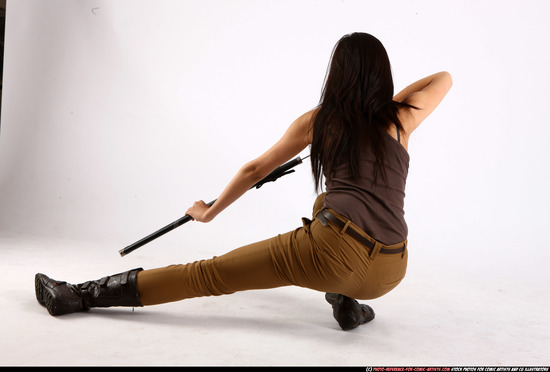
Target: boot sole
38,290
43,296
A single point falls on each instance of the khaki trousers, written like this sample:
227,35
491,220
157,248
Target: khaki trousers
314,256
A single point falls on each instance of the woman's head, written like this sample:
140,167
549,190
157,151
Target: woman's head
355,109
359,73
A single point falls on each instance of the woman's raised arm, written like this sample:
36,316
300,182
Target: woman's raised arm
425,94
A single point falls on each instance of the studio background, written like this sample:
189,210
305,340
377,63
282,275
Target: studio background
117,115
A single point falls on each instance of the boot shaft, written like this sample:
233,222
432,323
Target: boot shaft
113,290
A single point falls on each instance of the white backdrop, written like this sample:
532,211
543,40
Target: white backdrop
118,114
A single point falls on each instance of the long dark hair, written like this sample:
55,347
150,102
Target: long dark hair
355,109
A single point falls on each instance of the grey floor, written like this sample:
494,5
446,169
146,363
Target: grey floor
440,315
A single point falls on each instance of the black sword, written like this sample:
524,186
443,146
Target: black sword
283,170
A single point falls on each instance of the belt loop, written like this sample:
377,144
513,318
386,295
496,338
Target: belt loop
343,231
404,246
306,223
375,250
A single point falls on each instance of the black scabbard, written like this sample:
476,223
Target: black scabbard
272,177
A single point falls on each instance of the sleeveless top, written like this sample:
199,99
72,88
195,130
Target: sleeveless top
377,210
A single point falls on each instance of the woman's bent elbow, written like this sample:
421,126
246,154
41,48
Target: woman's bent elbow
448,78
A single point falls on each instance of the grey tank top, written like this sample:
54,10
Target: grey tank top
377,210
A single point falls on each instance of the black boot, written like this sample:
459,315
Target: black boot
348,312
64,298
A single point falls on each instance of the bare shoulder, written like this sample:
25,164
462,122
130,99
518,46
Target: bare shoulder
308,118
304,124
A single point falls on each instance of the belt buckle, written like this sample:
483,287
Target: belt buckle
322,218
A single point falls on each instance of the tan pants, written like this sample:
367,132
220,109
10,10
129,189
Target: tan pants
314,256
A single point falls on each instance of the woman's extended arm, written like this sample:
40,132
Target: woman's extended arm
296,138
425,94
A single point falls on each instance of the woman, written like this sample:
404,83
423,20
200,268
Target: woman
355,247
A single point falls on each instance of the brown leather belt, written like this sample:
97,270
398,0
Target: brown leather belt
325,216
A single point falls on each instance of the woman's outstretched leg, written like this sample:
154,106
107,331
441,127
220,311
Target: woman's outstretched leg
248,267
293,258
288,259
